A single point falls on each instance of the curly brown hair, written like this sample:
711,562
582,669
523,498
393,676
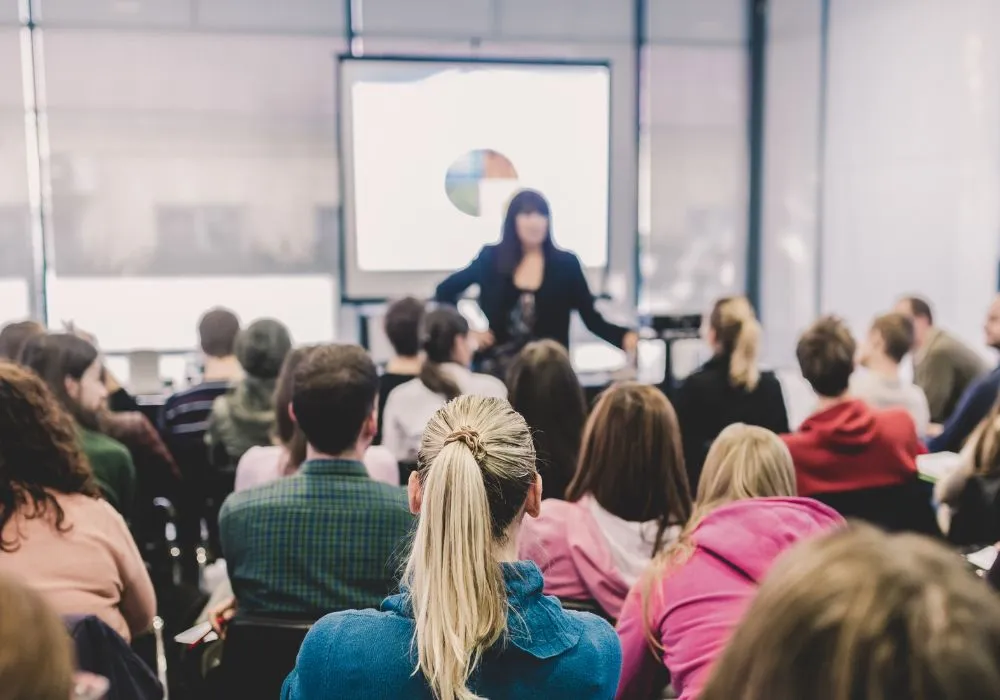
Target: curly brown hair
39,452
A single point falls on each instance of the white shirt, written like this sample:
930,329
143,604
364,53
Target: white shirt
630,544
882,392
411,405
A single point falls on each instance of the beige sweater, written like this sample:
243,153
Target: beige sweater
93,568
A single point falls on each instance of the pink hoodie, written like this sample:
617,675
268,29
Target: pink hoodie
575,554
696,605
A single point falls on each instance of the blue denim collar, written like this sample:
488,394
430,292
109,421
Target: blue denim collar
536,624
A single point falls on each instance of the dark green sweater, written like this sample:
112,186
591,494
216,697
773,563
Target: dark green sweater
113,469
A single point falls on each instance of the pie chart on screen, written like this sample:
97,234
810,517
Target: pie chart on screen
479,182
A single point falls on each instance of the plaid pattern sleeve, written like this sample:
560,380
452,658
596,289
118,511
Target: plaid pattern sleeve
326,539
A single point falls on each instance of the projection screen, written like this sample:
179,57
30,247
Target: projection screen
432,150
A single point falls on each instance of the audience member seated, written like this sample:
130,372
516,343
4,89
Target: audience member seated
943,366
543,388
846,445
977,399
244,417
681,614
862,614
471,619
13,337
55,531
970,495
444,376
729,388
185,414
261,465
402,327
879,383
36,657
323,539
72,369
626,503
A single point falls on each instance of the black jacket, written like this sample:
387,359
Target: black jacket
706,403
564,288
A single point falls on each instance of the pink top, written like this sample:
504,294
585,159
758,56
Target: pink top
697,604
261,465
586,553
93,568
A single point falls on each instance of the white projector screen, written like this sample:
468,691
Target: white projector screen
432,150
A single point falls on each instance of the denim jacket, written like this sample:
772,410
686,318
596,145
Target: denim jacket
549,652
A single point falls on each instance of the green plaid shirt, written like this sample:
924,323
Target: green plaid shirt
326,539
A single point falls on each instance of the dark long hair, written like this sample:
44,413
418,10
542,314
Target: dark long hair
440,329
39,451
632,460
288,433
57,356
543,388
510,251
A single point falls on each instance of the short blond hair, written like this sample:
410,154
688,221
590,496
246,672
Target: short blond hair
860,613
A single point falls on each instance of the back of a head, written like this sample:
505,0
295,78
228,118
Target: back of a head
476,466
334,391
39,451
863,614
745,461
439,330
402,325
36,654
218,329
14,336
896,331
543,387
261,348
738,333
826,356
632,458
56,356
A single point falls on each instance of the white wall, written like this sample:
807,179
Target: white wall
912,194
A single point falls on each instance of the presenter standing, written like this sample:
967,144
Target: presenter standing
528,287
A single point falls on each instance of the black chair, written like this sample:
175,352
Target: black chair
901,508
587,606
259,653
405,469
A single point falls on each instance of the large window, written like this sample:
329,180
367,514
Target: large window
16,258
693,204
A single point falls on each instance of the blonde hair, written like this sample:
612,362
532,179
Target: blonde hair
860,613
36,656
744,462
738,333
476,465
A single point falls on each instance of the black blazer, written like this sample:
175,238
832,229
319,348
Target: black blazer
706,403
564,288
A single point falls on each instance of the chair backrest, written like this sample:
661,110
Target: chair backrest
587,606
901,508
259,653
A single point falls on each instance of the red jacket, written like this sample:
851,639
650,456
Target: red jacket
851,446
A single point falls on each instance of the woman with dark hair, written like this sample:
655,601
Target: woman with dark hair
528,286
626,503
444,375
56,533
545,390
73,371
263,464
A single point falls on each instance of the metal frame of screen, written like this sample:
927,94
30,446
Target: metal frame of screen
425,280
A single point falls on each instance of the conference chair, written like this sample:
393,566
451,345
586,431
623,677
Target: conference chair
901,508
259,653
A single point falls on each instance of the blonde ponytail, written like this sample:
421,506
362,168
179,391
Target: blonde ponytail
738,332
476,465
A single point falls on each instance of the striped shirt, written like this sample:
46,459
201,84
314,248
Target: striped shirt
326,539
187,412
